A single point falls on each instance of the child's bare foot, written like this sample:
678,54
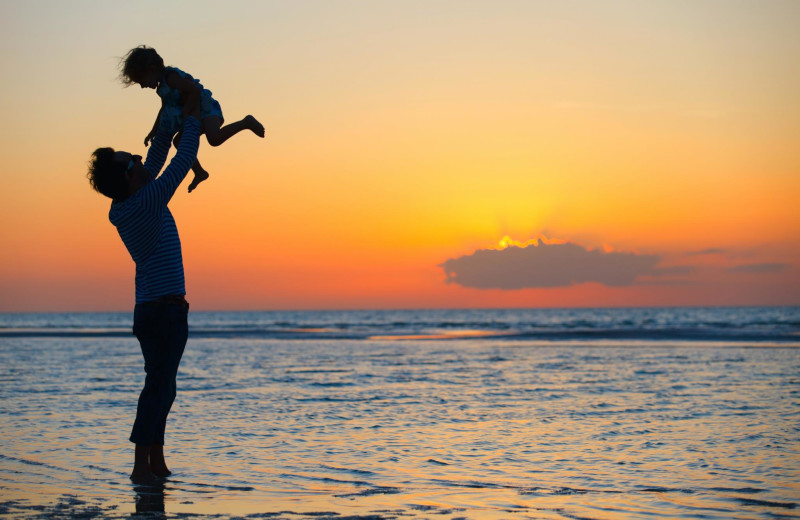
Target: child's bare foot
199,176
253,124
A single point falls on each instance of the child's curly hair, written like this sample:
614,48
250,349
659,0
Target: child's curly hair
137,62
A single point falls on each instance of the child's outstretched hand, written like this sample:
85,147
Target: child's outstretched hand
150,137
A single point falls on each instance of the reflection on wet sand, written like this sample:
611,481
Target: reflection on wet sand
149,499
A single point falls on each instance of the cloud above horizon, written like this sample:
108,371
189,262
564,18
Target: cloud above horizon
709,251
543,265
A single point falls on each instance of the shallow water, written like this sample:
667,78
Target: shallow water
478,428
721,324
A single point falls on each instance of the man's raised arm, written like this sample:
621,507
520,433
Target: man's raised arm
159,191
157,154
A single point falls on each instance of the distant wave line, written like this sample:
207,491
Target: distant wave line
736,336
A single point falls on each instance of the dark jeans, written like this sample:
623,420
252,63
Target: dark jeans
162,330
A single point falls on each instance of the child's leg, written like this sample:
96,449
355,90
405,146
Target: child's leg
200,174
218,134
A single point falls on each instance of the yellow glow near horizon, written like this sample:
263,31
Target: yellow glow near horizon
507,242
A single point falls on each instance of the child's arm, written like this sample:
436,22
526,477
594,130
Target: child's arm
190,92
153,132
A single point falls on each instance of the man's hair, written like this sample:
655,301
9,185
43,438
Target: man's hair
106,175
137,62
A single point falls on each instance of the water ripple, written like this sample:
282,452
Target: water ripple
360,429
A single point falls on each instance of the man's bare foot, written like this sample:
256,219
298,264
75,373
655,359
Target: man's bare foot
160,471
144,477
158,465
253,124
199,176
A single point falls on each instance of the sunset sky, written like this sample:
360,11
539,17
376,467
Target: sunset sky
419,154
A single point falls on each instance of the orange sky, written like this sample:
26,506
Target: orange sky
401,135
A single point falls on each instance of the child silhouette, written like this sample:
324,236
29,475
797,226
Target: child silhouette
180,93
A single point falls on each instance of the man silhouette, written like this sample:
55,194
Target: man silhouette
140,213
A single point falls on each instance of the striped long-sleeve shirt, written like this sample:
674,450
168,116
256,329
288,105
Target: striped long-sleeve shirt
145,224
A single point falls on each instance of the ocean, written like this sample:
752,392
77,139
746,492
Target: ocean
441,414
